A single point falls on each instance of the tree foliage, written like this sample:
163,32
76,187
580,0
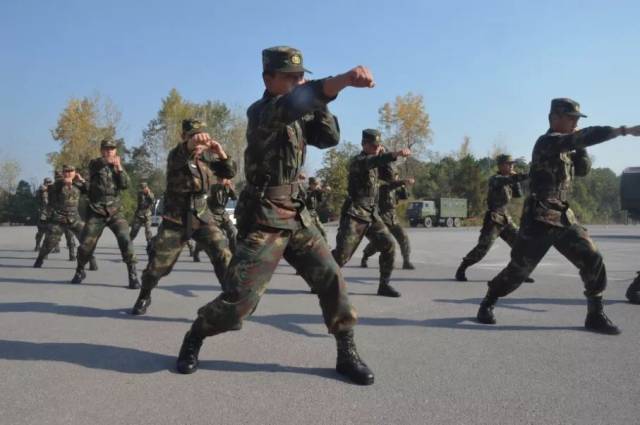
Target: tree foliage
406,124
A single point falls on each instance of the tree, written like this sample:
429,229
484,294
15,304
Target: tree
9,172
80,128
23,206
335,173
405,124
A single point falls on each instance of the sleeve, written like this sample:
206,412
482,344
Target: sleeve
323,130
303,99
122,179
581,162
225,168
232,194
373,161
589,136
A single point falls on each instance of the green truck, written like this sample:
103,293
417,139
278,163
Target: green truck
440,212
630,192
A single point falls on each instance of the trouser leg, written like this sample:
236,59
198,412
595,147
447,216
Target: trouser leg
350,233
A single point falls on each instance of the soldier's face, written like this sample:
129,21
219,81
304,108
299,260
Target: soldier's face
108,153
69,175
280,83
371,149
565,123
505,168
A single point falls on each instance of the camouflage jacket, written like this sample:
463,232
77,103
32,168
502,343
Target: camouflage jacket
219,196
279,129
313,199
64,200
42,196
390,195
556,159
105,185
145,203
501,190
365,173
188,182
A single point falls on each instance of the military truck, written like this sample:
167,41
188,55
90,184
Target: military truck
630,192
440,212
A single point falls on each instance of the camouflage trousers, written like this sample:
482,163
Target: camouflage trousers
43,228
92,230
488,234
318,223
531,245
167,245
257,255
225,224
139,222
42,231
350,234
399,233
55,230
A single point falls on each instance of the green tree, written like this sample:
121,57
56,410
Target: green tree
335,173
23,207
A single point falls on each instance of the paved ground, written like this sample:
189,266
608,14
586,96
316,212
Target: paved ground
72,355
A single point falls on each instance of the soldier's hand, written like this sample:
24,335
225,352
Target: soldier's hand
634,131
405,152
327,188
117,164
200,138
360,76
79,178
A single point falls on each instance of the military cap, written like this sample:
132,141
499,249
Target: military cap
566,106
143,185
313,180
67,167
57,174
192,126
47,180
282,59
108,144
372,136
504,159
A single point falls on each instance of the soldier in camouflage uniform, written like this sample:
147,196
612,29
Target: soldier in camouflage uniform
191,167
390,195
315,195
497,222
64,197
633,291
43,211
142,216
547,219
359,215
219,196
68,234
272,219
107,179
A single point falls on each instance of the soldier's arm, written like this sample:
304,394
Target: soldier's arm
323,131
581,162
583,138
302,100
122,179
232,194
376,161
225,168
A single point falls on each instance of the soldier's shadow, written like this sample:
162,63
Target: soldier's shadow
522,303
132,360
190,290
55,282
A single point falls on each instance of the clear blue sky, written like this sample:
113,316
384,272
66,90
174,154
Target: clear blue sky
486,69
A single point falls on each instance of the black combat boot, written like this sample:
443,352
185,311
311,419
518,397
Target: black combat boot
386,290
142,303
93,265
38,262
79,276
408,265
363,262
133,276
485,312
188,358
349,362
461,272
596,320
633,291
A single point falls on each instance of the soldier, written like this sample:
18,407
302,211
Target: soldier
43,211
314,196
272,218
548,221
68,234
359,215
633,291
497,221
107,179
142,216
390,195
219,196
190,171
64,197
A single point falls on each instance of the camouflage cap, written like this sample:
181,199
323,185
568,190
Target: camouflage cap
566,106
282,59
371,135
67,167
47,180
504,159
108,144
193,126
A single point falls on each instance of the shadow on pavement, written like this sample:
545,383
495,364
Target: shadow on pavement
56,282
520,303
81,311
131,360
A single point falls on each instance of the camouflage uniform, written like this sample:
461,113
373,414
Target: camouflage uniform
390,195
142,216
359,215
313,199
497,221
105,186
547,220
43,211
217,200
64,217
186,214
